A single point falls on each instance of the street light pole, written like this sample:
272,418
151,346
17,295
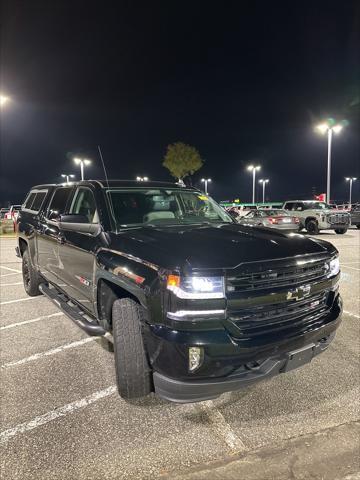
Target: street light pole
264,181
350,180
329,127
253,169
206,181
82,162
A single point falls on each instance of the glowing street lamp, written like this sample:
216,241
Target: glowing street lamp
329,127
350,180
67,177
142,179
206,181
82,162
3,100
264,181
253,169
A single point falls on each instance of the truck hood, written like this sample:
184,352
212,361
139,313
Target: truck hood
212,247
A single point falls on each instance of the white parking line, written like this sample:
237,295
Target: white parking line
351,268
53,351
11,269
8,274
25,322
54,414
19,300
10,284
351,314
221,427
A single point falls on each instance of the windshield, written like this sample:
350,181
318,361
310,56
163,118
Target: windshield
150,207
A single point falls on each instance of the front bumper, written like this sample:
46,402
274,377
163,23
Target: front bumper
200,390
230,364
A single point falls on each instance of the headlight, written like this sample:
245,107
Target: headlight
196,287
334,267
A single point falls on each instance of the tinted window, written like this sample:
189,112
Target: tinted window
39,199
84,204
29,200
289,206
58,203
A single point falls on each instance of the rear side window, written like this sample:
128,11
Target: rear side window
39,200
29,201
35,200
58,203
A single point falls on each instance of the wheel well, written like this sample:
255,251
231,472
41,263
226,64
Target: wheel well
22,246
107,293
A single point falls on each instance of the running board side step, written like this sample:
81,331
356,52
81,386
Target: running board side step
72,312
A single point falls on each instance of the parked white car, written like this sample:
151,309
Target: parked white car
316,216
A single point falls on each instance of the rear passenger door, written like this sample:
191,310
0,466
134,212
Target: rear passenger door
77,251
48,234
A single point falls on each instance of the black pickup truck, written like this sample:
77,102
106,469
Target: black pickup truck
194,303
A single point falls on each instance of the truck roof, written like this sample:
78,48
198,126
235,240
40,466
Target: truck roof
119,183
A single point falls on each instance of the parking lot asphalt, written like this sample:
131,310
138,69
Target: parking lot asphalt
62,418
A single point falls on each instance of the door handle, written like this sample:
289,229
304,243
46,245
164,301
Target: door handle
61,239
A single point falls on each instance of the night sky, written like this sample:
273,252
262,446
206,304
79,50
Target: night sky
242,81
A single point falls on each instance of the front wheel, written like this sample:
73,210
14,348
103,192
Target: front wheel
133,374
312,227
31,278
340,231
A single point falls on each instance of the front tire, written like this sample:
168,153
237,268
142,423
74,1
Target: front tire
340,231
31,278
312,227
133,374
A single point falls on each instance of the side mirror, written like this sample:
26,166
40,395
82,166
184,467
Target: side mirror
299,209
74,218
78,223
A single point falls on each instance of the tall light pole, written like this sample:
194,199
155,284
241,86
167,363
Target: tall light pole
350,180
82,162
329,127
206,181
67,177
264,181
142,179
253,169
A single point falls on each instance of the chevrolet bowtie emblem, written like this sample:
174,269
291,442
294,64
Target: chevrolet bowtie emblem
298,293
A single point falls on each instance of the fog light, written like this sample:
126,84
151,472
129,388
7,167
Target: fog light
195,358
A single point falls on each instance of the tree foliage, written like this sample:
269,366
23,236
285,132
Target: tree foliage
182,160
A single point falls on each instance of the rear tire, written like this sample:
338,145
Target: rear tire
133,374
312,227
340,231
31,278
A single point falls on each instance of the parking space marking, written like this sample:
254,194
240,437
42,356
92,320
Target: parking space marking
221,427
26,322
11,269
54,414
47,353
351,314
10,284
351,268
8,274
19,300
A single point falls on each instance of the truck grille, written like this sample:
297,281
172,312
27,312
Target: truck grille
277,318
338,218
278,277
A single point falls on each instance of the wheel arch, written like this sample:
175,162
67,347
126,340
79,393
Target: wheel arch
107,292
23,245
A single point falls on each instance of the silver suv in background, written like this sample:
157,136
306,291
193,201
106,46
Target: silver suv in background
316,216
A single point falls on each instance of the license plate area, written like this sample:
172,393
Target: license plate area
299,357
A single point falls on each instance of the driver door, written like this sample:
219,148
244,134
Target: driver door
77,251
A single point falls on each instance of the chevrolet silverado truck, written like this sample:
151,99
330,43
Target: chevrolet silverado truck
315,216
194,303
